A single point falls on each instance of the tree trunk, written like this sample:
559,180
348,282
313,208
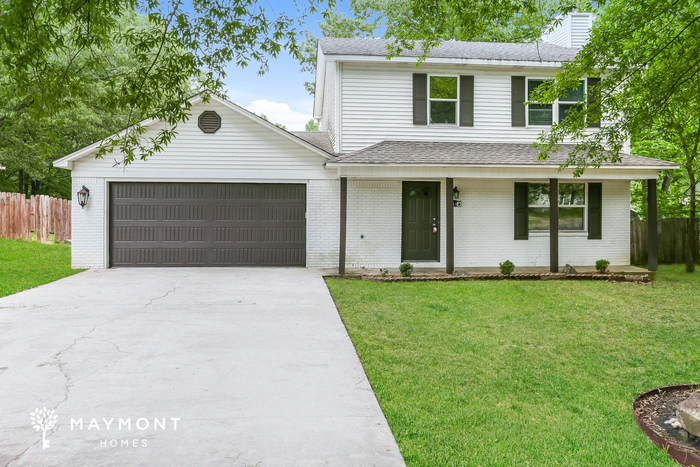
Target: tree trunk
20,181
692,248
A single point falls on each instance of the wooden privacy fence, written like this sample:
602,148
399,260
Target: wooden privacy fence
672,241
19,217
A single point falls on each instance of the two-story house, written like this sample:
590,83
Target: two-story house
432,164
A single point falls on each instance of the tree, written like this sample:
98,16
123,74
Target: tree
312,125
648,55
671,192
51,56
30,142
510,21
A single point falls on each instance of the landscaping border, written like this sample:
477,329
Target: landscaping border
550,276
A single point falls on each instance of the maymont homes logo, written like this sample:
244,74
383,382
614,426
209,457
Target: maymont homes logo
45,420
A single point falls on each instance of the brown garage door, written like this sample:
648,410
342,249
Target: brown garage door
207,224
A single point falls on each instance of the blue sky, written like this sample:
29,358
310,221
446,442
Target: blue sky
280,93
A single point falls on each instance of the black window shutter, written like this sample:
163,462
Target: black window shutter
517,97
521,204
420,99
593,117
595,211
466,101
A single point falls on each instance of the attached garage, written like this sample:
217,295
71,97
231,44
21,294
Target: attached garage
231,189
207,224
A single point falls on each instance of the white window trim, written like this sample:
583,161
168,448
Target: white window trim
456,101
554,104
566,233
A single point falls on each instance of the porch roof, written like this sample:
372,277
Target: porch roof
475,154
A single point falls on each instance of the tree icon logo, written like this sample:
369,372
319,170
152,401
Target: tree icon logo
43,420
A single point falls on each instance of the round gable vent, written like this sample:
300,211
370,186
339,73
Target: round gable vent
209,121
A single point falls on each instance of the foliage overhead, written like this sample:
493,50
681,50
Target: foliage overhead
53,53
501,21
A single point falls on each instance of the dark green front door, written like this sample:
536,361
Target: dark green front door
420,233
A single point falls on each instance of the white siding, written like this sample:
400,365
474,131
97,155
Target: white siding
483,227
328,121
573,31
561,35
89,225
323,223
581,24
241,149
377,105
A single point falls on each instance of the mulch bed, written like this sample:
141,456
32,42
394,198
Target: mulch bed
655,408
631,278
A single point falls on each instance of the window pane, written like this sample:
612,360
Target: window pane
570,218
532,84
443,87
572,194
443,112
564,110
538,194
538,218
573,94
540,114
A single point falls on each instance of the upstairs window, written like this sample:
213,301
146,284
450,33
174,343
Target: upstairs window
443,100
545,114
572,205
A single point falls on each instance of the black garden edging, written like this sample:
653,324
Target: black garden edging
522,277
673,448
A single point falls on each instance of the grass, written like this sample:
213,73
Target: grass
24,265
522,373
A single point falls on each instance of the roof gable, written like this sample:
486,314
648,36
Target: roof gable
67,161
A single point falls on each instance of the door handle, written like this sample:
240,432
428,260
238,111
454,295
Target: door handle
434,228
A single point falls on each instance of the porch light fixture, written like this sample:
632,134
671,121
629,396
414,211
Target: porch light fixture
83,196
455,194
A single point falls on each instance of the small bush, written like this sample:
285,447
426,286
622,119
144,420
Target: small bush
383,272
406,269
507,267
602,265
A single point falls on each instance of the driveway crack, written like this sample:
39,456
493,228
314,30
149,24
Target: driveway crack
56,360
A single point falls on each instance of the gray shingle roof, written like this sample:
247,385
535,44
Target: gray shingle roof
453,49
320,139
438,153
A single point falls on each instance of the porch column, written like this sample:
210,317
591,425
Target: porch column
343,224
554,225
652,226
450,233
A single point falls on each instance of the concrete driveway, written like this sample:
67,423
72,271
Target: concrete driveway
186,367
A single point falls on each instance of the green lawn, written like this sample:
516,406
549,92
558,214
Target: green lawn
24,265
523,373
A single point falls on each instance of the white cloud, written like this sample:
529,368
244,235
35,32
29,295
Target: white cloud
279,112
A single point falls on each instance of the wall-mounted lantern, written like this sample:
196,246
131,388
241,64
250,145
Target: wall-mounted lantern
455,198
83,196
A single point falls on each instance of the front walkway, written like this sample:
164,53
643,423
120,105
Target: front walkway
211,367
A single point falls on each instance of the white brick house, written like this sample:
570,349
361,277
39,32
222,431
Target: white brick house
378,185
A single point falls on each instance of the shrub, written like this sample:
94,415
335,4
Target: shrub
406,269
507,267
602,265
383,272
